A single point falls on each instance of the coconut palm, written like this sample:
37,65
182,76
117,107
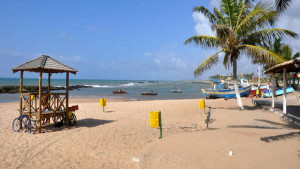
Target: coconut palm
240,27
281,5
285,52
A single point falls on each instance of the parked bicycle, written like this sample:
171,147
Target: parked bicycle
23,122
208,120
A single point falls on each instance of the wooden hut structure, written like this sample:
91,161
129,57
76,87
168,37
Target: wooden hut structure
43,105
289,66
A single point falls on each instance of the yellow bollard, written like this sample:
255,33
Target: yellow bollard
202,104
155,121
103,103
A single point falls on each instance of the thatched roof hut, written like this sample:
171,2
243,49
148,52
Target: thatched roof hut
289,66
33,104
44,64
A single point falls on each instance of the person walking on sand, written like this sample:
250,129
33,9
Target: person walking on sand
258,92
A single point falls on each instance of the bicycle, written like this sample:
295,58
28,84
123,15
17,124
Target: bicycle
24,121
208,117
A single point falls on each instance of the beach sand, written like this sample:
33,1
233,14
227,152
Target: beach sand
110,140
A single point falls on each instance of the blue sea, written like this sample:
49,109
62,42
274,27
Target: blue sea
104,88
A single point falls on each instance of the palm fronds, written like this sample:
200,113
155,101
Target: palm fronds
219,16
271,34
262,55
207,64
211,17
241,26
281,5
259,18
203,40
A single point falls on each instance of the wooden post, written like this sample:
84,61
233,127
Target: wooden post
20,91
284,91
40,102
49,78
273,91
49,95
67,98
30,106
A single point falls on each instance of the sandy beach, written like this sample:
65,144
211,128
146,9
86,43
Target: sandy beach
111,139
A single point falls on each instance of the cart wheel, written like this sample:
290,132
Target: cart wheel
31,127
45,121
58,119
72,120
16,125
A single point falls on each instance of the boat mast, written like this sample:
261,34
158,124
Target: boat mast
258,71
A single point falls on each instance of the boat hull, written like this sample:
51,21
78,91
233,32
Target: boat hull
269,93
149,94
226,93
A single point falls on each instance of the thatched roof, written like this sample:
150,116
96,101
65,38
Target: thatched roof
45,64
290,66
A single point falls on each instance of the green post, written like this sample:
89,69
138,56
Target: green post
103,108
160,125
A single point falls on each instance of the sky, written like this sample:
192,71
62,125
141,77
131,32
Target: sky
116,39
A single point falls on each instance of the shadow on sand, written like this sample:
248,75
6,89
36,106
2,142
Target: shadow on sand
280,137
288,125
88,122
249,126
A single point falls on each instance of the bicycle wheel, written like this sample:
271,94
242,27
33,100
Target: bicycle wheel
16,125
72,120
32,127
25,121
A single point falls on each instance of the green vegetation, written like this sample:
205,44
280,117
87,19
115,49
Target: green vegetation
281,5
240,27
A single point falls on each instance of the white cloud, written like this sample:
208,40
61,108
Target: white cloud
66,36
90,27
215,3
76,58
202,24
178,63
157,61
290,19
147,54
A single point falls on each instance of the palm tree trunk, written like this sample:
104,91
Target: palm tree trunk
277,83
236,89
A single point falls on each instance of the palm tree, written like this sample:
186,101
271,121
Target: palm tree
281,5
240,27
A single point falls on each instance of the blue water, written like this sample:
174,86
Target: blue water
104,88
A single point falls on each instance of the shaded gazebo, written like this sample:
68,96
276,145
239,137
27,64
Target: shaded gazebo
289,66
41,106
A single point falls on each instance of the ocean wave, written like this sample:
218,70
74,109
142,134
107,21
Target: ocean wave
59,86
128,84
96,86
113,86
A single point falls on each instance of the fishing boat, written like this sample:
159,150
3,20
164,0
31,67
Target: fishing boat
269,93
119,91
177,91
261,89
224,90
225,93
151,93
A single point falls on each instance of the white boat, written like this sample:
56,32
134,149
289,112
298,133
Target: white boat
177,91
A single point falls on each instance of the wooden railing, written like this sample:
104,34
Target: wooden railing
49,101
